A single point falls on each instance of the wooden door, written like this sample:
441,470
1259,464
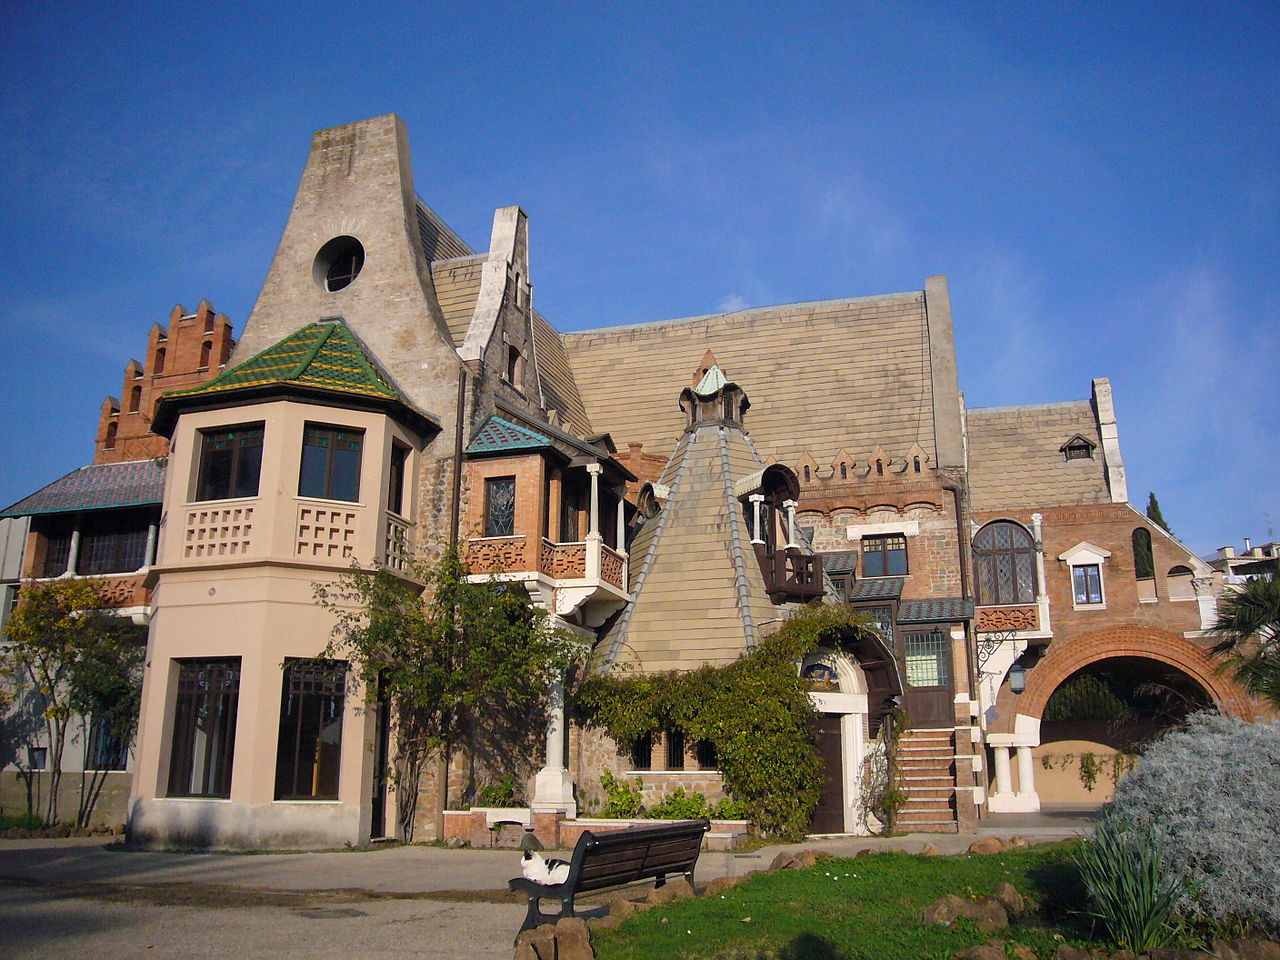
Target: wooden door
829,817
927,669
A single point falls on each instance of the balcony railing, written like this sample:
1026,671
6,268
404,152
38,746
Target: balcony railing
790,575
397,547
559,561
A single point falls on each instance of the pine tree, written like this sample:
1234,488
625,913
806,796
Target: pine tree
1154,514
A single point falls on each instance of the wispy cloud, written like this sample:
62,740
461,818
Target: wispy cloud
730,303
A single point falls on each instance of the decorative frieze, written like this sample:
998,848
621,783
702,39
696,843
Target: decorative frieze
496,555
1004,619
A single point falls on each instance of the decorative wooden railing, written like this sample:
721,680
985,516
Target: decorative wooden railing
563,561
790,575
497,555
559,561
612,566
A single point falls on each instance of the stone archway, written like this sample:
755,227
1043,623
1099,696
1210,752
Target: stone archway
1066,657
1020,731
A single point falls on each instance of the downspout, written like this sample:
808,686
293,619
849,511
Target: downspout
962,547
456,498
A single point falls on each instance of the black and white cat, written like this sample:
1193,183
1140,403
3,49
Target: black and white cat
541,870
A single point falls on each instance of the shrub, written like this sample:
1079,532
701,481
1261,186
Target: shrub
679,805
499,794
20,821
1210,794
1131,886
622,799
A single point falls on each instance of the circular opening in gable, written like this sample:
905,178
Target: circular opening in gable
338,263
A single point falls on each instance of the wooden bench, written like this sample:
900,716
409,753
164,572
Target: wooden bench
616,859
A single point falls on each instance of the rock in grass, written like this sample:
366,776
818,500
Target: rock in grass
610,922
680,889
573,941
537,944
783,861
1008,894
987,845
1068,952
720,884
987,914
944,911
659,895
983,951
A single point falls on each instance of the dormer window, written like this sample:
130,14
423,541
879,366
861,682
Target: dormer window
1077,448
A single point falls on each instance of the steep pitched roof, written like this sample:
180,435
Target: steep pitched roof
324,356
1016,458
97,487
823,373
497,435
699,595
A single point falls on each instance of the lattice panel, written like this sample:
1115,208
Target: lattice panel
496,555
564,561
118,591
325,533
1001,619
398,548
611,567
218,532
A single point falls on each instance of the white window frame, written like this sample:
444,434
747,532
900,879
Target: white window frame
1085,554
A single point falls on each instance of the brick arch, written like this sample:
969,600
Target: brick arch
1066,656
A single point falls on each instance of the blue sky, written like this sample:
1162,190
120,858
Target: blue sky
1100,182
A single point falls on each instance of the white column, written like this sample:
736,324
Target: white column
1042,590
73,551
621,540
150,556
593,524
553,786
1004,776
790,507
756,500
1030,800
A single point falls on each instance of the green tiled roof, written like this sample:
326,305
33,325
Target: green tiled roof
933,611
843,561
497,435
96,487
322,356
879,588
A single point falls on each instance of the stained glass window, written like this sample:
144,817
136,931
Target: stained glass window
500,506
1004,564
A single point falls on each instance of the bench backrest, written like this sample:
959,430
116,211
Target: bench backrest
634,854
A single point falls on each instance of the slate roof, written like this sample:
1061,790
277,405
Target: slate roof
322,356
818,374
844,561
945,609
497,435
1016,460
98,486
880,588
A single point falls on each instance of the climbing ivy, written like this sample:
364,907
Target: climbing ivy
756,711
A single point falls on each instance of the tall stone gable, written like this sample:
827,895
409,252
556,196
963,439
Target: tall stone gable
358,182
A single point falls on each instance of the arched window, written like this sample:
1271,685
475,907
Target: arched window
806,474
916,465
1144,564
879,468
844,471
135,399
110,442
1004,561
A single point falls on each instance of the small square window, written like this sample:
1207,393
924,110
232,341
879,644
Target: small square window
884,556
37,758
230,463
330,463
927,660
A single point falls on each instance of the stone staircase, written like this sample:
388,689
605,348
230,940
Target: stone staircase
926,771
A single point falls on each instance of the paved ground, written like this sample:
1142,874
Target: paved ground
81,898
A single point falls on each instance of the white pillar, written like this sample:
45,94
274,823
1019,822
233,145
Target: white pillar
593,524
150,556
621,540
756,500
1027,780
553,786
790,507
73,551
1042,590
1004,776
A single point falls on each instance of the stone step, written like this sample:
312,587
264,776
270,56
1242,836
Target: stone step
938,782
915,794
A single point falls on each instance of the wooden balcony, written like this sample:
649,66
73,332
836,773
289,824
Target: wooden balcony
790,576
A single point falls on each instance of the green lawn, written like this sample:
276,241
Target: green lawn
853,909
